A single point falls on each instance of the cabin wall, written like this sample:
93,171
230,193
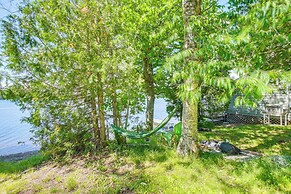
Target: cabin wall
274,105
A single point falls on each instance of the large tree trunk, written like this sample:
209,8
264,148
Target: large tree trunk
188,141
101,112
148,73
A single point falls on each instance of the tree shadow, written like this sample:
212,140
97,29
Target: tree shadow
256,137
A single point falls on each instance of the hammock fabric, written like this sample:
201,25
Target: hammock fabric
140,135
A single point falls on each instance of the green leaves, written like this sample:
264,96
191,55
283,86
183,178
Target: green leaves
172,138
251,38
61,54
267,29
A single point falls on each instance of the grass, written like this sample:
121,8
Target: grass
155,168
71,183
10,173
266,139
14,167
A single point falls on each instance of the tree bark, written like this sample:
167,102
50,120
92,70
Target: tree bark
188,142
94,115
127,113
116,115
148,73
101,111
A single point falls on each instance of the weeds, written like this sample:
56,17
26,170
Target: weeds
155,168
14,167
71,183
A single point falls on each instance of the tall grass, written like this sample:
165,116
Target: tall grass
14,167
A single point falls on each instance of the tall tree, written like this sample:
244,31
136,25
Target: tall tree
60,55
188,141
150,26
224,41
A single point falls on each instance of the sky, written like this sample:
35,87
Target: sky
222,2
7,6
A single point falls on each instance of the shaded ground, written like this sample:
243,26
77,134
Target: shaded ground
157,169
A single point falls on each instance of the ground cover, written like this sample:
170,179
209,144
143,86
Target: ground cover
155,168
266,139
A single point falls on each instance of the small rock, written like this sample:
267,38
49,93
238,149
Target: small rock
228,148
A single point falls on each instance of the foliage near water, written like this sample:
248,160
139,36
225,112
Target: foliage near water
66,60
15,167
156,168
79,66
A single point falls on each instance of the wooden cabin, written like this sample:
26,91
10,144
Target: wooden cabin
273,109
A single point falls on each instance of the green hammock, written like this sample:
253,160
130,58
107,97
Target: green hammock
140,135
173,137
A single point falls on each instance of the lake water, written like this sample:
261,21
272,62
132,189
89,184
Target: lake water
13,131
160,112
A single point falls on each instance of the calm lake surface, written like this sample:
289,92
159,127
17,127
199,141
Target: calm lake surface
13,131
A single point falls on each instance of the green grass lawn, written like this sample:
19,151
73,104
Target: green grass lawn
267,139
158,169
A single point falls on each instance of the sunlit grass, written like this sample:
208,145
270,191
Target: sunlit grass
155,168
13,186
14,167
267,139
71,183
211,173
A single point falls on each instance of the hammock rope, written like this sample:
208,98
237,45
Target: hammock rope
140,135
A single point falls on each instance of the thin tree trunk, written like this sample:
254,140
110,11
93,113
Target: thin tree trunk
127,113
188,141
115,109
101,112
116,115
148,73
94,114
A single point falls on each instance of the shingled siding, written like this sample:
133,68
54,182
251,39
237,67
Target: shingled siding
244,110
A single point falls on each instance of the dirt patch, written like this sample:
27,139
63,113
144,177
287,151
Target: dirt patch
106,172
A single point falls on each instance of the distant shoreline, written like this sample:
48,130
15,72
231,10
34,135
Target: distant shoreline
17,156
